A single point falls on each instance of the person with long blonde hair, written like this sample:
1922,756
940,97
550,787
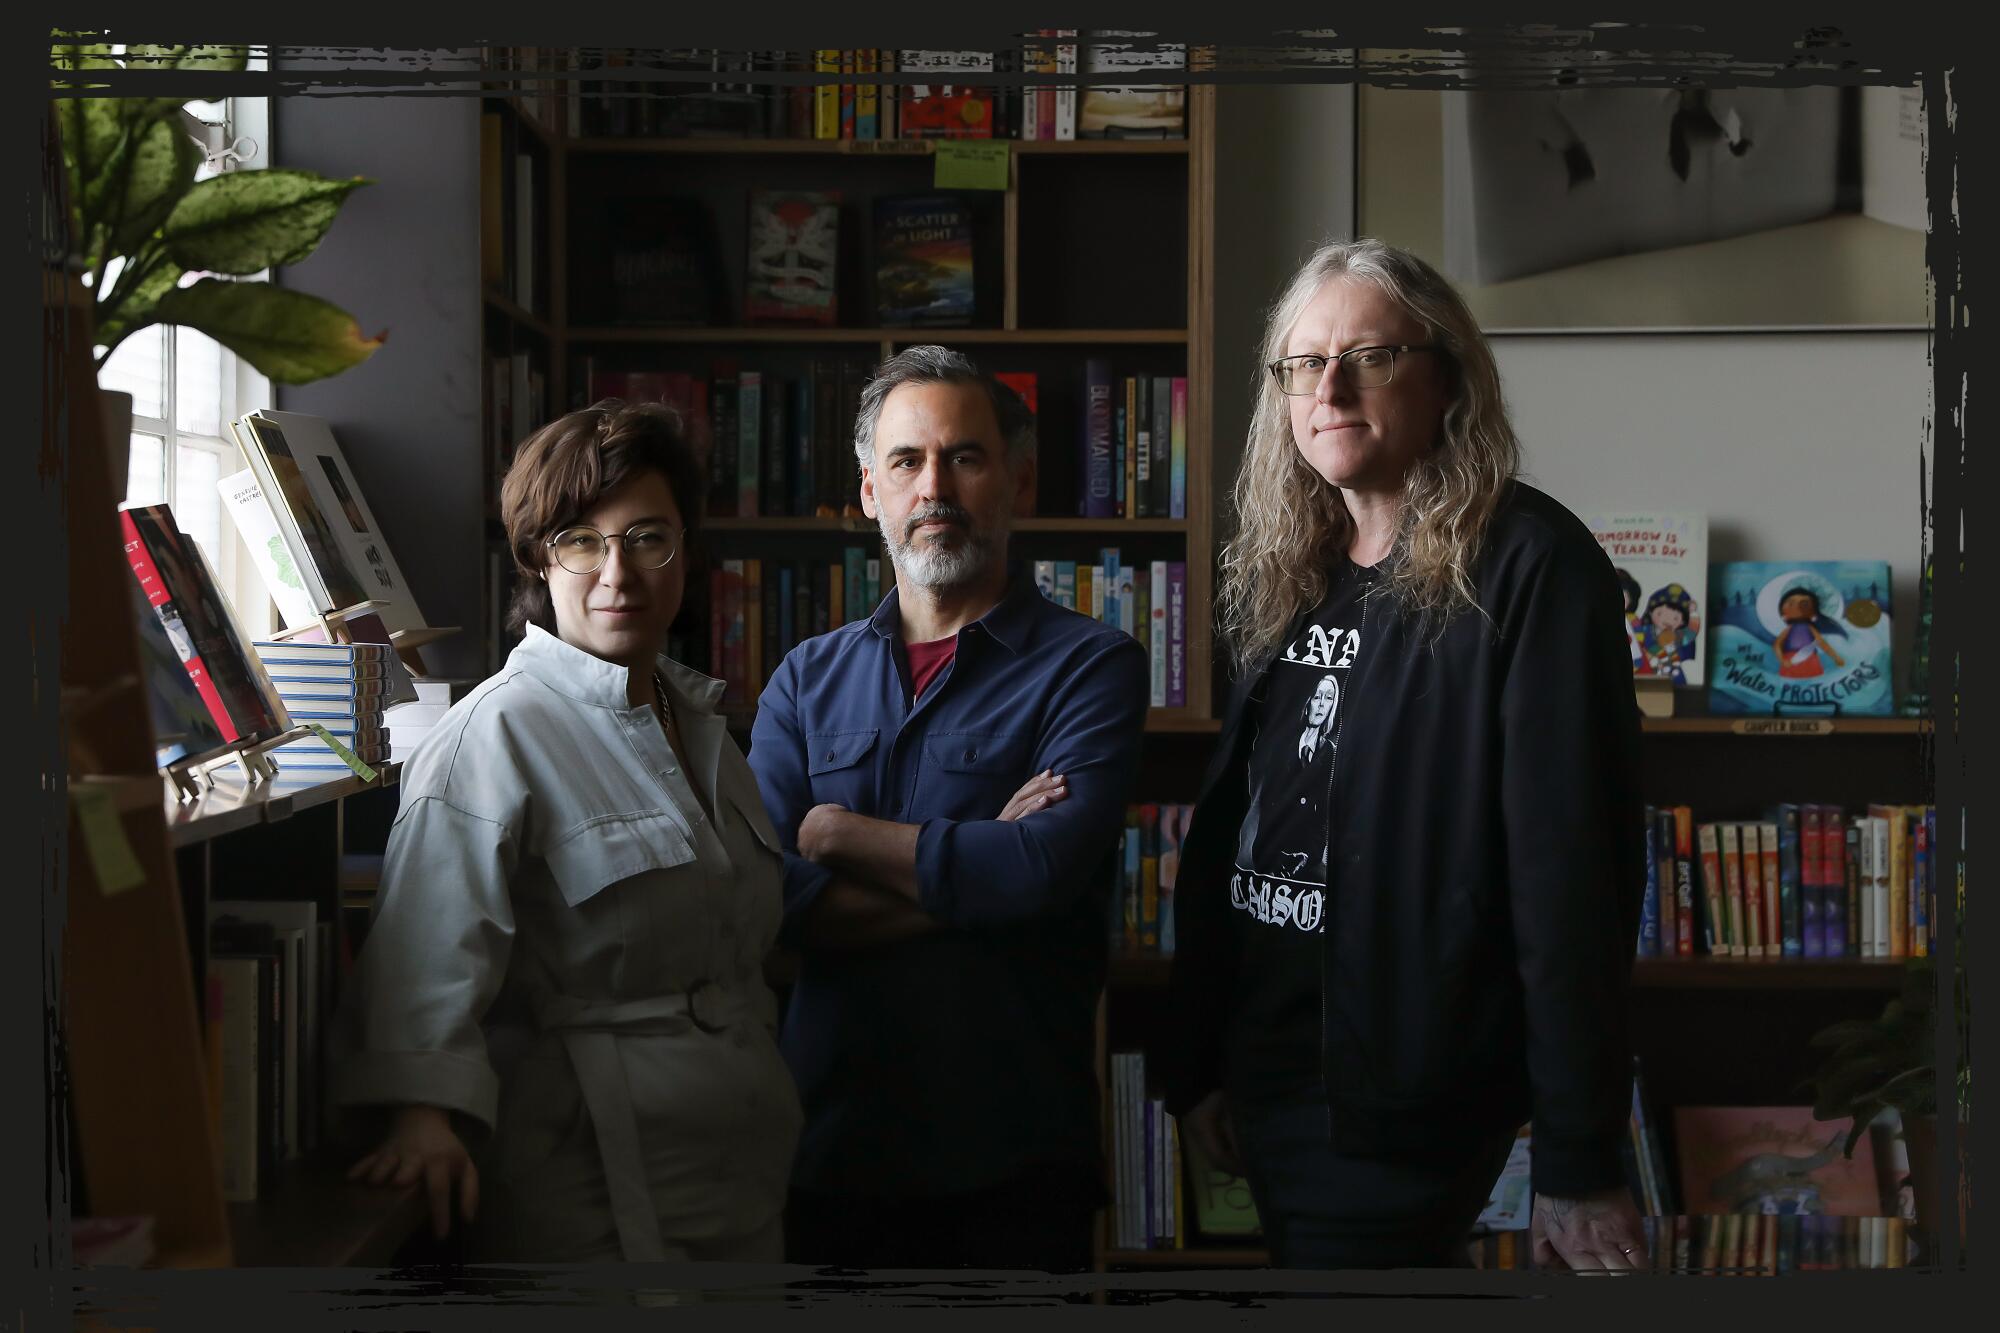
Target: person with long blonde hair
1397,946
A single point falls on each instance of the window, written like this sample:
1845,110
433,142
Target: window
186,388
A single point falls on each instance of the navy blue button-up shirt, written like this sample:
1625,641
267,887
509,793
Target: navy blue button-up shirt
952,1060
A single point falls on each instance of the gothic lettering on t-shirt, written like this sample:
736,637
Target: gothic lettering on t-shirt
1280,877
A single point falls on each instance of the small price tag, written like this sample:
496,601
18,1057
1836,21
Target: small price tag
345,755
971,164
111,856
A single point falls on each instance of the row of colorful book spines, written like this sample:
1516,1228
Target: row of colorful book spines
759,610
1148,1200
1808,882
733,414
1149,854
1649,1163
864,109
1147,602
1129,467
1740,1244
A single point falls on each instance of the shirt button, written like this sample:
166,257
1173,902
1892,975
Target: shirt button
971,755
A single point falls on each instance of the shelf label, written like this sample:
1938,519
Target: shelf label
111,857
971,164
345,755
1783,726
904,147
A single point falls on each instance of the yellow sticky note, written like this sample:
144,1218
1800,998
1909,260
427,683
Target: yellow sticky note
345,755
111,856
971,164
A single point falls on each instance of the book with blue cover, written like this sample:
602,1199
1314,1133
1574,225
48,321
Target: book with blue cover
1804,638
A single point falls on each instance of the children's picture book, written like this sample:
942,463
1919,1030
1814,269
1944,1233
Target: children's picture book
309,530
923,261
663,263
1772,1159
794,256
1662,565
946,110
1802,637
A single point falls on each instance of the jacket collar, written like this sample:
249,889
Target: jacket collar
1009,623
587,678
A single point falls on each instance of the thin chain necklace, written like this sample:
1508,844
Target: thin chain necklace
660,694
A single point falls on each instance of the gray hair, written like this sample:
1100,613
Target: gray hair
928,363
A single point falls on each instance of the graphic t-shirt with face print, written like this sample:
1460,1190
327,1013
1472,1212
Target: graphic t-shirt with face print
1278,888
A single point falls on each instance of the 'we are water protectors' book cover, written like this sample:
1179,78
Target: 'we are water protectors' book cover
1807,638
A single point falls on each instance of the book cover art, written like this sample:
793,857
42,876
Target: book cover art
923,261
794,256
308,530
1772,1159
182,725
1807,637
1662,565
944,110
663,263
175,578
338,496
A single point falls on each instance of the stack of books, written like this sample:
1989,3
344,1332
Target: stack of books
1142,897
1148,1205
1148,602
344,688
409,723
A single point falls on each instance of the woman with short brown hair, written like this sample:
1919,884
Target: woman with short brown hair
565,965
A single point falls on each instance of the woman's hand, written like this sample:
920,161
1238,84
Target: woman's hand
1207,1122
1039,793
422,1144
1591,1233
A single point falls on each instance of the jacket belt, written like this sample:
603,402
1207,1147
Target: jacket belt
590,1032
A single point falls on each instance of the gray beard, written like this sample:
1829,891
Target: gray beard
935,566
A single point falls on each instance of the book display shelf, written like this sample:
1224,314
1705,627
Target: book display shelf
144,867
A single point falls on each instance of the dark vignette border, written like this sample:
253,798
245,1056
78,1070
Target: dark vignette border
1875,45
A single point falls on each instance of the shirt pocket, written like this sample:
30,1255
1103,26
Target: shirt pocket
594,856
972,774
840,768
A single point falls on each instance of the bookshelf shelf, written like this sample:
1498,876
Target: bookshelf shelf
1194,1256
1769,974
234,804
807,336
1878,974
1786,727
873,148
527,318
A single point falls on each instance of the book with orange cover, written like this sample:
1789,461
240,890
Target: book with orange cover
1759,941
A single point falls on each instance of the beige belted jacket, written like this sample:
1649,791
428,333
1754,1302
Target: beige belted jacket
568,950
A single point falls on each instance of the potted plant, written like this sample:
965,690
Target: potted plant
156,246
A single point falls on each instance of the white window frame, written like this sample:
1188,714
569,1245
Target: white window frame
241,139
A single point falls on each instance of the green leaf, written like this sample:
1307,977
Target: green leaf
243,221
71,55
134,307
290,336
155,170
93,139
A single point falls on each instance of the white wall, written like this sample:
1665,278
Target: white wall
1797,446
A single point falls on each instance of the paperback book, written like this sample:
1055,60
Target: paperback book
1804,637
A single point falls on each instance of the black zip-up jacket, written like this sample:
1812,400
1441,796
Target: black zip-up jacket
1485,868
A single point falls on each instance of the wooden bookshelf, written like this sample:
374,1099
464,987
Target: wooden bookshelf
1147,971
1037,235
